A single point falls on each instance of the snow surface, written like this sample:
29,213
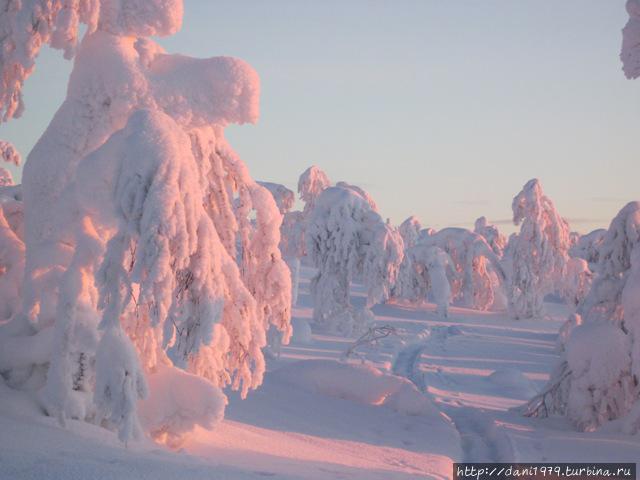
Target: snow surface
316,417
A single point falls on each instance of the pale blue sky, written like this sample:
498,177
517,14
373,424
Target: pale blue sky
442,109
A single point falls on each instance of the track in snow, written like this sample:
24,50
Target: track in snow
481,440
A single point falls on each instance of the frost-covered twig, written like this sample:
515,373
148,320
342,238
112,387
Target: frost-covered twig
537,406
371,337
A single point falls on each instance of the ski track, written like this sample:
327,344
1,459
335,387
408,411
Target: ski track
481,439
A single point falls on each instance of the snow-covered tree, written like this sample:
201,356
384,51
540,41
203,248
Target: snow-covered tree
345,238
282,195
364,194
576,282
538,255
11,266
409,231
477,276
311,184
630,52
496,240
425,272
148,245
598,378
587,247
290,241
11,236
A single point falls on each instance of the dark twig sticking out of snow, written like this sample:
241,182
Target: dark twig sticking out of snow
537,406
371,337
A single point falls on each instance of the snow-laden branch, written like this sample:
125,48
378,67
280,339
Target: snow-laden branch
630,51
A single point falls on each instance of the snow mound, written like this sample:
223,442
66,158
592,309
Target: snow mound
358,383
178,401
513,381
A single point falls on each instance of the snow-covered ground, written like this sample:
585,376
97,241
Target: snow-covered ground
315,418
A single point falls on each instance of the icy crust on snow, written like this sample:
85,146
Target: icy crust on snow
359,383
630,52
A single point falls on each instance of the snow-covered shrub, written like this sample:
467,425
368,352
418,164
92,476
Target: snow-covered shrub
587,247
630,52
496,240
598,378
147,242
476,275
538,255
345,238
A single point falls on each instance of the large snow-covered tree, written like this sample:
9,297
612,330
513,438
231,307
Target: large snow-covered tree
598,378
538,254
148,245
345,238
